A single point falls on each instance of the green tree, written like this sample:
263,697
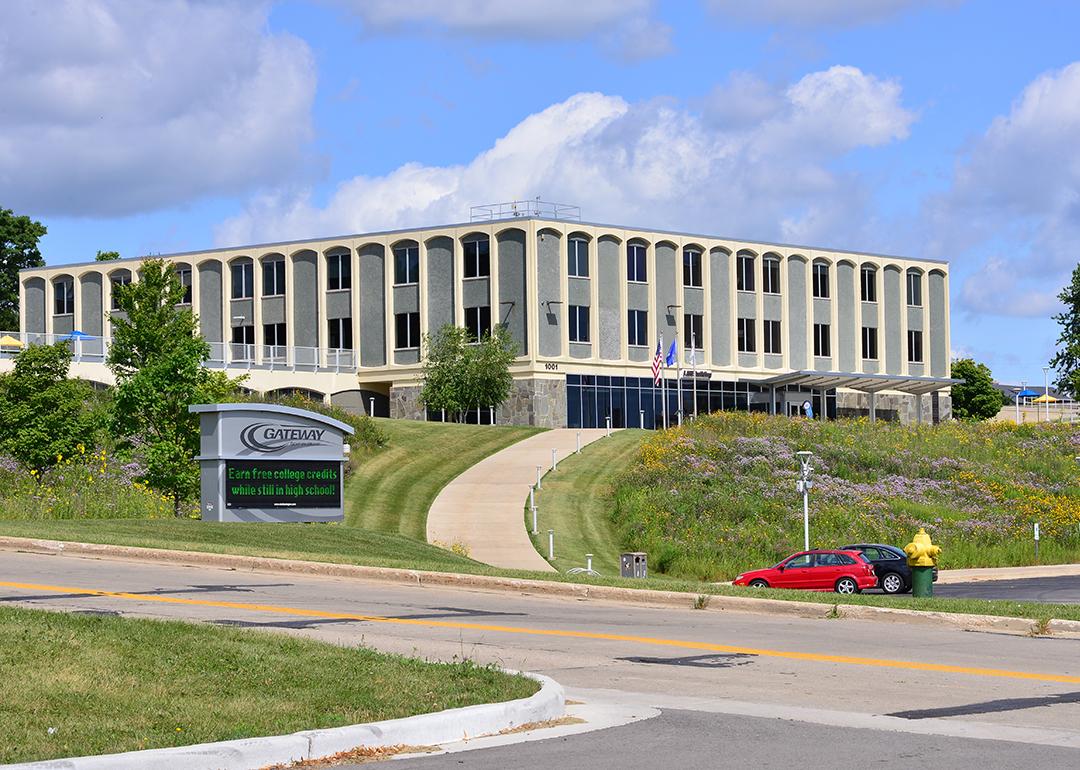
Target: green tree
18,250
460,374
975,398
47,416
1066,360
157,357
106,256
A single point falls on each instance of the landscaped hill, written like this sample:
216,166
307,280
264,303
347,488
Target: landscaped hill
715,497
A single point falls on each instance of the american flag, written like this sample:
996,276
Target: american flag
658,361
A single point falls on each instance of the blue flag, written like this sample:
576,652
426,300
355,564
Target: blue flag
670,360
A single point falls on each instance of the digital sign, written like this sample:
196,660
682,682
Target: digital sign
282,484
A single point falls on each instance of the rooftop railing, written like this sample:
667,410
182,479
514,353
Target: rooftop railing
530,208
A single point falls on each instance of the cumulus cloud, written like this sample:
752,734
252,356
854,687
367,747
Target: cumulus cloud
654,162
114,106
804,13
1019,188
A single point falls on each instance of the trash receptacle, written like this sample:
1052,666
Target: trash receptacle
634,565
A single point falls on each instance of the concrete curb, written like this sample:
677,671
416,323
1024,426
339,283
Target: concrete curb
637,596
249,753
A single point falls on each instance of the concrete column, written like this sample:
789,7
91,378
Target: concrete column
320,321
195,294
290,315
354,301
256,306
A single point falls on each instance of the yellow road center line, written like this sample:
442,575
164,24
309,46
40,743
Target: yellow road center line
682,643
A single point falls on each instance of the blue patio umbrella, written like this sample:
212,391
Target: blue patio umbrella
1028,393
75,335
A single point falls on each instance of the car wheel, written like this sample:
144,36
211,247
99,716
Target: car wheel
759,583
846,585
892,583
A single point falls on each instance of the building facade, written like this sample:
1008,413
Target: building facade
759,326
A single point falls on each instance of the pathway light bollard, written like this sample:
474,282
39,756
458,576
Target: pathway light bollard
535,531
551,544
588,562
922,556
554,459
371,406
578,443
539,468
608,421
641,418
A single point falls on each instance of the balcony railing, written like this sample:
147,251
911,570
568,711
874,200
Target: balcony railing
223,355
532,208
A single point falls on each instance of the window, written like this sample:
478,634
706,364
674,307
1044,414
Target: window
869,284
772,337
770,275
821,280
579,323
184,274
805,560
120,279
407,331
478,321
828,560
745,329
477,258
243,280
273,278
243,338
338,271
579,258
694,331
635,263
914,346
691,268
744,272
869,343
406,264
64,297
638,324
339,334
822,346
914,289
274,335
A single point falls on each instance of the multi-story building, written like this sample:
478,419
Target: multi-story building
760,326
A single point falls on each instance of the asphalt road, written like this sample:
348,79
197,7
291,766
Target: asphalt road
828,681
1053,590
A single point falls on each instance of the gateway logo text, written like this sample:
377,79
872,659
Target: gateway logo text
271,437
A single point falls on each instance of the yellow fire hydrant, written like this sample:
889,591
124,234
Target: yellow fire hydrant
922,557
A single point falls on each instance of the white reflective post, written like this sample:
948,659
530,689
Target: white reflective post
554,459
538,469
371,406
578,443
491,414
551,544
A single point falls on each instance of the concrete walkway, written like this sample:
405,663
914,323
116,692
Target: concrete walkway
979,574
483,508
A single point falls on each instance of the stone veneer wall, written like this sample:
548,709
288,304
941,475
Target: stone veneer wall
540,402
894,407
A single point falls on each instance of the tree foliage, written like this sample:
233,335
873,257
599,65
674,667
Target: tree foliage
106,256
46,416
460,374
1066,361
975,398
19,237
157,357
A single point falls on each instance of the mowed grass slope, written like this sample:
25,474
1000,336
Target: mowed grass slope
76,685
392,490
577,501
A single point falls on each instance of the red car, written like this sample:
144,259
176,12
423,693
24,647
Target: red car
846,572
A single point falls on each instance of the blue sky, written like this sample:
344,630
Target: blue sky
931,128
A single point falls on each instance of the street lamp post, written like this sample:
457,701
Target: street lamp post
1023,387
804,485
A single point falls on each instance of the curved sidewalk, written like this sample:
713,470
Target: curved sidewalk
483,508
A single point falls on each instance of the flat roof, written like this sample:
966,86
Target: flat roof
867,383
478,225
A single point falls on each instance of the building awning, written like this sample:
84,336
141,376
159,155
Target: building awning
866,383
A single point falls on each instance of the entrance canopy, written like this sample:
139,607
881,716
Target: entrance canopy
865,383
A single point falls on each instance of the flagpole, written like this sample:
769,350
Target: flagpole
678,377
663,385
693,355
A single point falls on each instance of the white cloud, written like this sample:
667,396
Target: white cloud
1018,188
647,163
810,13
558,19
120,106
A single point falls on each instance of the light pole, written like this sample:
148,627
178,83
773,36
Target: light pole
803,485
1046,390
1023,387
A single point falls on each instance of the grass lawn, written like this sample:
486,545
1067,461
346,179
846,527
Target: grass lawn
576,502
393,489
76,685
